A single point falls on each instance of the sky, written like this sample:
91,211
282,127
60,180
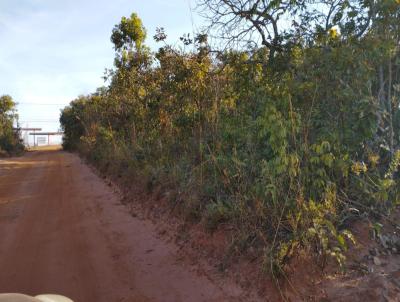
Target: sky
51,51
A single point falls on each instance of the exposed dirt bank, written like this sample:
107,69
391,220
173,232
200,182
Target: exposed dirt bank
371,273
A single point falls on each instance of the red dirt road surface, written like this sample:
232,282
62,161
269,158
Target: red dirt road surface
64,231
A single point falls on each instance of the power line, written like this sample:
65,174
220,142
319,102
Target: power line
43,104
39,121
191,16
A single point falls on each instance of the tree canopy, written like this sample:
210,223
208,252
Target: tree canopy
9,138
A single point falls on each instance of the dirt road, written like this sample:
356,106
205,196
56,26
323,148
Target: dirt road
63,230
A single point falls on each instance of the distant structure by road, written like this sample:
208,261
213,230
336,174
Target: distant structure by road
23,132
39,138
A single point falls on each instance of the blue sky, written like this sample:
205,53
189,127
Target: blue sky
54,50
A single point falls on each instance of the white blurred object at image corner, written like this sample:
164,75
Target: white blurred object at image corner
39,298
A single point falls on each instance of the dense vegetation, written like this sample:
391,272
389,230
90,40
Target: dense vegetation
288,137
10,143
